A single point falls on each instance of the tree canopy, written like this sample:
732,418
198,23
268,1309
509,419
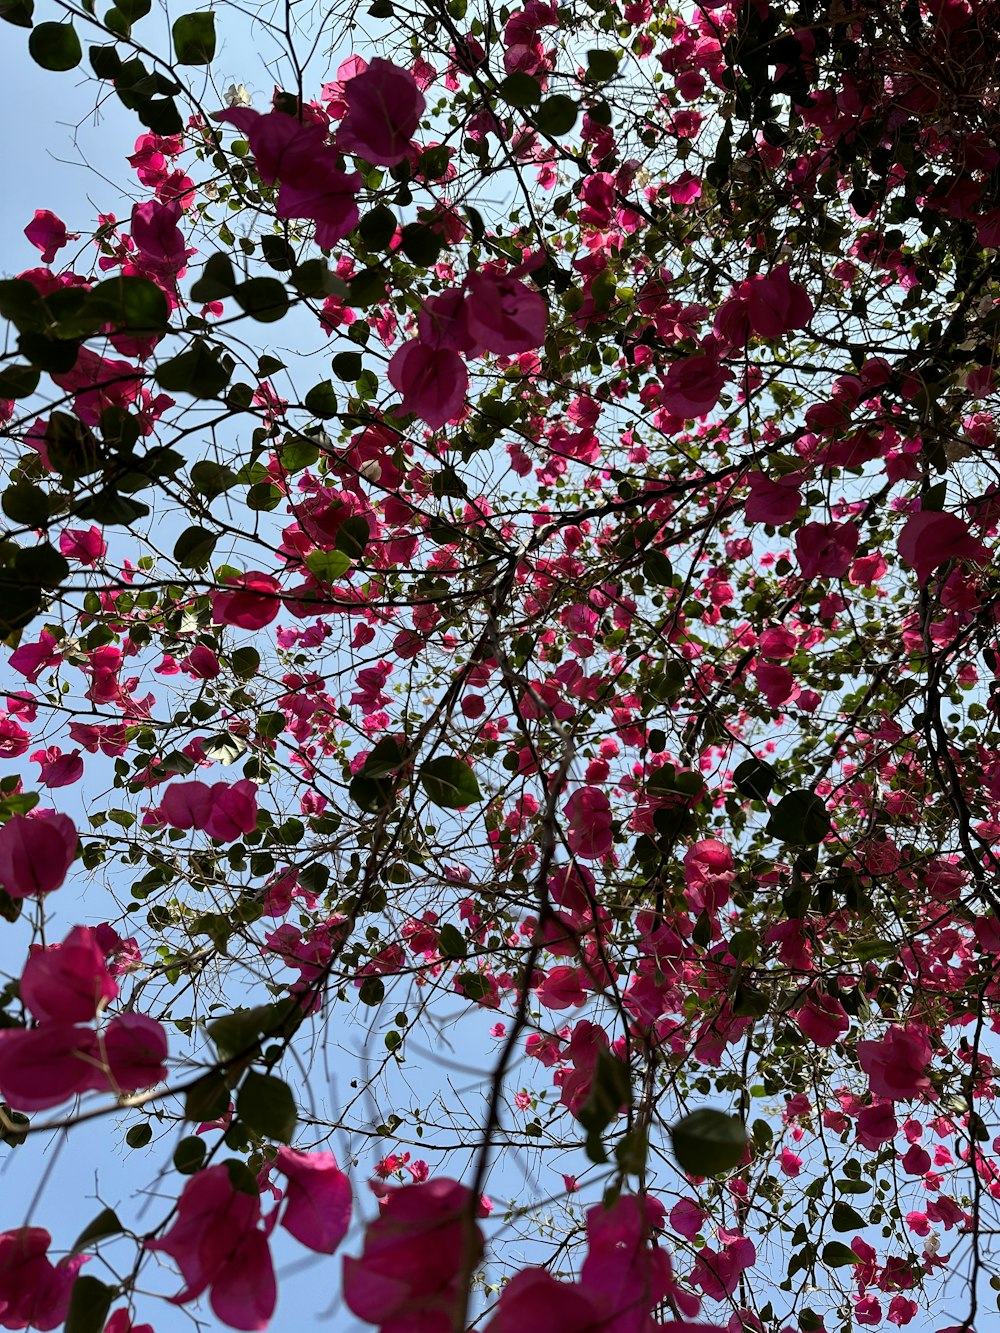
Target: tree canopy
500,759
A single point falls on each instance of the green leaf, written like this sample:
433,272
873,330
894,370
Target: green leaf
21,303
212,479
450,782
520,90
89,1304
15,1124
133,10
217,280
708,1142
271,725
198,371
139,1135
347,365
372,991
18,607
52,355
41,564
55,46
314,278
225,748
246,662
240,1033
852,1186
452,942
107,506
800,818
194,39
105,61
385,760
266,1104
378,227
298,452
19,381
25,503
18,12
601,66
754,778
105,1224
160,115
837,1255
846,1218
421,245
264,299
193,548
353,536
321,400
208,1099
131,303
189,1155
556,115
328,566
656,568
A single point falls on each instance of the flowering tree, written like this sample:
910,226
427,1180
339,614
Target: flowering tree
498,547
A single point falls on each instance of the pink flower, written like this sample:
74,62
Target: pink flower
692,386
776,683
415,1254
159,240
317,1208
83,544
824,550
284,148
562,989
718,1272
433,382
503,315
686,1218
901,1310
36,853
775,305
443,322
121,1322
47,1065
68,982
777,642
533,1299
589,833
135,1048
48,233
33,1291
790,1162
31,659
929,539
876,1125
232,810
186,805
822,1019
14,739
202,662
896,1065
252,604
774,501
217,1245
58,769
224,811
868,1311
327,196
384,106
